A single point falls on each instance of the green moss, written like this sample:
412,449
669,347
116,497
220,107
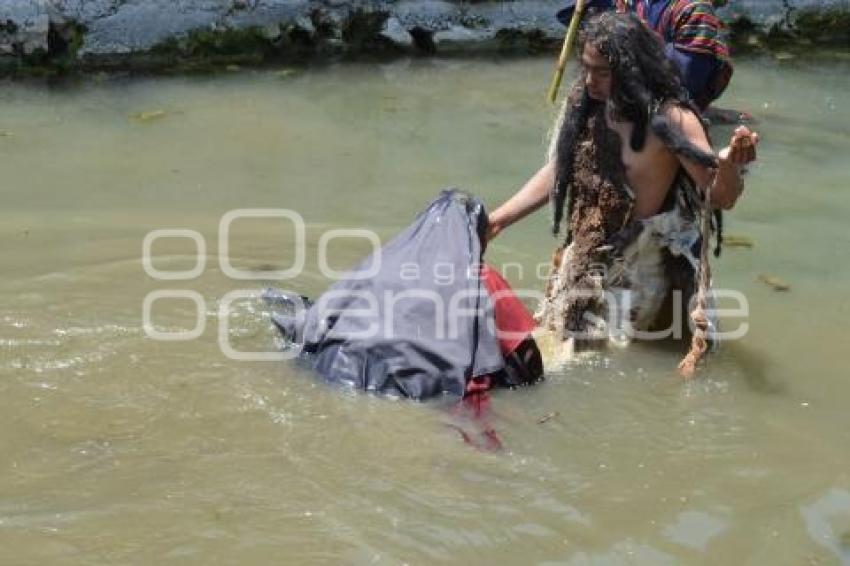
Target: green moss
26,70
362,30
323,25
228,43
744,35
209,50
516,41
808,26
65,45
824,26
38,58
77,40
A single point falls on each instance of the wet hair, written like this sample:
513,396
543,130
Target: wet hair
642,78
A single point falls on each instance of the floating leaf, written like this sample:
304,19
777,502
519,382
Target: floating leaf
547,417
737,241
150,115
774,283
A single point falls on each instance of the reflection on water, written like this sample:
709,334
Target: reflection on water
828,522
117,448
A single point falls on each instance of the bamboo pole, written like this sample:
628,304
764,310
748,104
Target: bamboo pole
566,51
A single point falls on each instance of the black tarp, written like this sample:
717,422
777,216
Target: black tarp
422,325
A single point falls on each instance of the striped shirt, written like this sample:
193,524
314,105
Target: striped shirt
689,25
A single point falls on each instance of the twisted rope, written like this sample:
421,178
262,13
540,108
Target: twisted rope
699,341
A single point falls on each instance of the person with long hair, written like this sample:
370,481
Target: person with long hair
694,37
628,168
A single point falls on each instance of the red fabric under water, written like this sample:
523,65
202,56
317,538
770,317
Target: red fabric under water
513,324
476,408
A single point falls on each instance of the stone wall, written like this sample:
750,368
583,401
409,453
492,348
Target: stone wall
96,31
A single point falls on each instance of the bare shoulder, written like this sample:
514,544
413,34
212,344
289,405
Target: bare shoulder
688,122
682,117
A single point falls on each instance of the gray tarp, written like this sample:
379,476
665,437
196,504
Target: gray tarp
419,328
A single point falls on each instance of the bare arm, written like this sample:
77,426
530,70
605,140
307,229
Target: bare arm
739,152
533,195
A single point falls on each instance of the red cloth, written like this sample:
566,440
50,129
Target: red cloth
476,407
513,321
513,325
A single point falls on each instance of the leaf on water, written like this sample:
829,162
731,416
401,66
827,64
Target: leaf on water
774,283
233,68
548,417
285,73
737,241
6,133
150,115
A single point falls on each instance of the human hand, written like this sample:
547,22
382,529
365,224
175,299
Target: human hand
494,228
742,147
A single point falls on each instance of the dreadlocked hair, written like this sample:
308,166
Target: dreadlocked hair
577,110
643,78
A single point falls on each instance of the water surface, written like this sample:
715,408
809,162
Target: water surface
120,449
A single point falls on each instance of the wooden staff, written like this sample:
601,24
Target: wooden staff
566,50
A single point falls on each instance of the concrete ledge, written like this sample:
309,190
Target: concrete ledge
83,33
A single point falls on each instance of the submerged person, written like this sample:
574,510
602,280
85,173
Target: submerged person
694,39
627,168
422,318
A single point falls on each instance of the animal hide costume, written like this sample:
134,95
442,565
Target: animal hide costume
616,274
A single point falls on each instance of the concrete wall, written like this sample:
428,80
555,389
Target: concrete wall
88,30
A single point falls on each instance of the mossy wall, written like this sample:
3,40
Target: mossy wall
62,34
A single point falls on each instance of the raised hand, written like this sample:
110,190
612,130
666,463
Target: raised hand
742,147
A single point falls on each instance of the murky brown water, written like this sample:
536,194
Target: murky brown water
115,448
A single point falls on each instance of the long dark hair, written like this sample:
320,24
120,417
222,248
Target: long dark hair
643,78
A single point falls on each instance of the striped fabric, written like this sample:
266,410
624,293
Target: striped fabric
691,25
